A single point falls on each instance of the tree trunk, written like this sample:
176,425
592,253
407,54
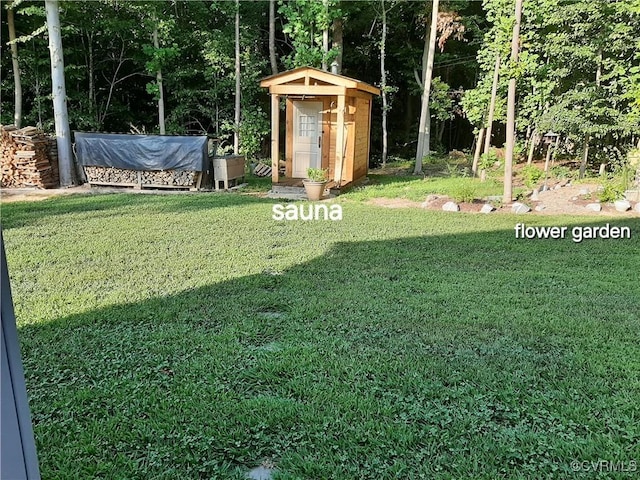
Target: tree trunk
532,146
587,139
441,127
585,155
548,158
603,165
90,73
555,150
156,45
236,130
492,105
59,95
476,154
17,117
383,85
424,130
325,39
507,196
337,43
272,37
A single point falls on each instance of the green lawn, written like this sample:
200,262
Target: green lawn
192,336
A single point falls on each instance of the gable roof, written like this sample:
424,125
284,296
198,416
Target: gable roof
311,76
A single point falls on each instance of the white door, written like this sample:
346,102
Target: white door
307,137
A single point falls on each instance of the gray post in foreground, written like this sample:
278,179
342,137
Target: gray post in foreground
507,196
18,456
59,94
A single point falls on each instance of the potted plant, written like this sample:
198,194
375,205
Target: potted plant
315,182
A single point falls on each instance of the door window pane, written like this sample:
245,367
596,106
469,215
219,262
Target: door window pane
307,125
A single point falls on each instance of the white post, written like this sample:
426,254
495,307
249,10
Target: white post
275,138
507,196
59,94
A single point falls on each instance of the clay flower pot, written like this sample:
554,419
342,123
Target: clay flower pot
315,183
314,189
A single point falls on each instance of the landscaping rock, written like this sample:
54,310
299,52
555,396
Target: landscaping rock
557,187
622,205
594,207
544,188
584,191
637,207
518,207
429,201
451,207
573,199
534,195
539,208
488,208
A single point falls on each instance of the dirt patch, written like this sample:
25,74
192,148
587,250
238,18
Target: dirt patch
36,194
435,202
8,195
393,202
570,199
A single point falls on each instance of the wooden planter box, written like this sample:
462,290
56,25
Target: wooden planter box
118,177
227,169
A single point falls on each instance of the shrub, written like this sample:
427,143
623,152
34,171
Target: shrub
488,161
531,175
433,160
464,193
561,172
454,171
253,129
611,192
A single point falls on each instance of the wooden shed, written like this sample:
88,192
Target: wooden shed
328,125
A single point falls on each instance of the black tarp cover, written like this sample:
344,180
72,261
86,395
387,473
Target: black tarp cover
142,152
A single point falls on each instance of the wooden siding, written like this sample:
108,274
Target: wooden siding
362,127
308,84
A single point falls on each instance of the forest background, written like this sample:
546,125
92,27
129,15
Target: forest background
577,74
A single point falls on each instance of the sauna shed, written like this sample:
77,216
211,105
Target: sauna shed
328,125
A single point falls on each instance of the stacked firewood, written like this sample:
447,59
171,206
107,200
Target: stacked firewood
118,176
111,175
29,158
181,178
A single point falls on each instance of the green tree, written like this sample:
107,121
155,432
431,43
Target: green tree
305,23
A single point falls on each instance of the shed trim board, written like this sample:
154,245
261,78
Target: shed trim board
308,75
341,142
